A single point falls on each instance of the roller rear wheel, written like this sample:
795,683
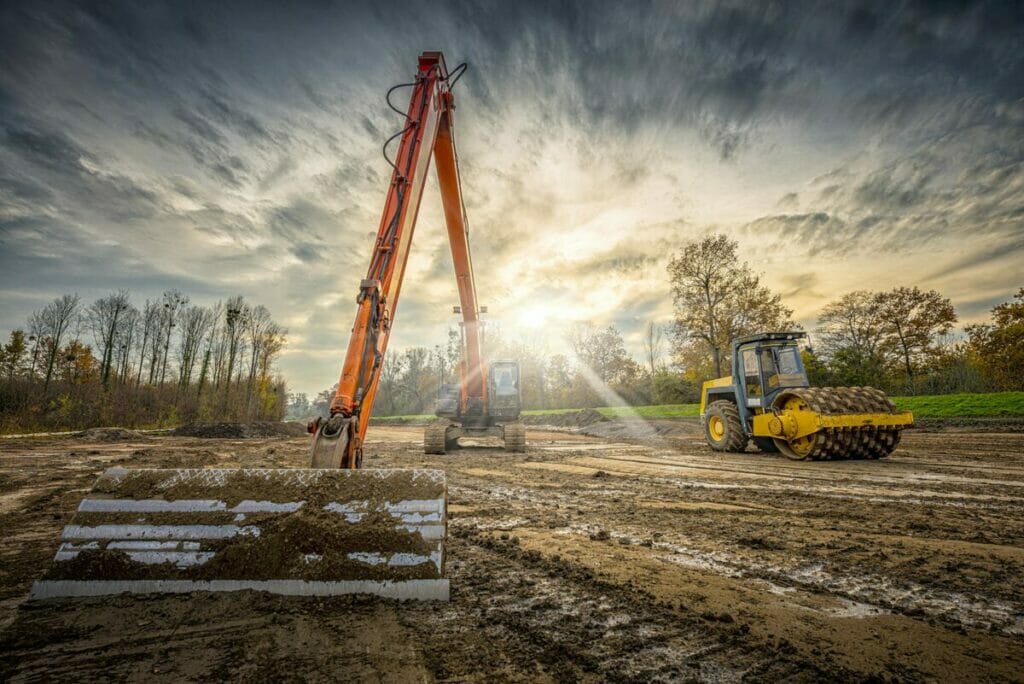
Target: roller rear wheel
723,429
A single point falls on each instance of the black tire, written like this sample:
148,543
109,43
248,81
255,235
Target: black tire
765,444
722,427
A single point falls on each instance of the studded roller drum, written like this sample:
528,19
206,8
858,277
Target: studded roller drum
515,437
723,428
861,441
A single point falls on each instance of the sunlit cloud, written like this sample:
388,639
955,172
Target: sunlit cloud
235,149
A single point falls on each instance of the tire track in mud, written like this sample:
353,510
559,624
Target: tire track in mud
544,506
561,621
605,574
873,592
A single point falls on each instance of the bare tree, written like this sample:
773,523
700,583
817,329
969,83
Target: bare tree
173,301
105,317
257,324
126,337
50,324
212,336
236,312
148,322
193,324
652,346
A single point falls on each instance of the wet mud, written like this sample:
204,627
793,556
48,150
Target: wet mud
636,555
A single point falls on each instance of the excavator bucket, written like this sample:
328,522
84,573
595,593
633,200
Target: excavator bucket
286,531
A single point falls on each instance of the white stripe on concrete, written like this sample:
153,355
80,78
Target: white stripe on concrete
397,559
151,506
249,506
430,532
181,559
422,590
123,532
407,506
154,545
184,506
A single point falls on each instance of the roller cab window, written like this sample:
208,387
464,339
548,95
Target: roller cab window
786,370
751,376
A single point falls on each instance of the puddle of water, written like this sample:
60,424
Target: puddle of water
856,609
858,597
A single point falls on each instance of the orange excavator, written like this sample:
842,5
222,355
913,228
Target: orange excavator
332,528
486,402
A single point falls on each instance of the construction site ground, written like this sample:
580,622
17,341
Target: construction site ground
631,553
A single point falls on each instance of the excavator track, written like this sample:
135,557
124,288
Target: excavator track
858,442
515,437
434,438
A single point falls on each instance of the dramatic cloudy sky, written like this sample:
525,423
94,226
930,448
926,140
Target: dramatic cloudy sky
224,148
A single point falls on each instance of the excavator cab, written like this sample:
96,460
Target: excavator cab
768,400
496,414
503,390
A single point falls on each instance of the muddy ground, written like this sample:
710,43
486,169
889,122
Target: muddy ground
637,555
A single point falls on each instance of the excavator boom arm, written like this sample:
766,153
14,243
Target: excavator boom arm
427,132
473,371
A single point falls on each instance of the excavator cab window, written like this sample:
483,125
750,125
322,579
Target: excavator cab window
506,383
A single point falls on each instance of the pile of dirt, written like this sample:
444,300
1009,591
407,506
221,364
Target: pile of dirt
570,419
259,430
645,430
109,434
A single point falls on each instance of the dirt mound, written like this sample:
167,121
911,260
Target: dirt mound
645,430
109,434
257,430
571,419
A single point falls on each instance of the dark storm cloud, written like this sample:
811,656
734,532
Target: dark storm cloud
800,284
51,160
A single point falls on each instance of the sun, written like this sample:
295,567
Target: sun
535,316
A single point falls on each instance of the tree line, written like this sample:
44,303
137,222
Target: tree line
593,370
167,362
900,340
